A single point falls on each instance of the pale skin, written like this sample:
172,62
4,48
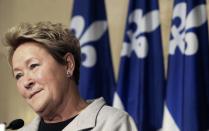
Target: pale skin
44,83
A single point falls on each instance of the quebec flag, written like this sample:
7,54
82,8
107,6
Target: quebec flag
187,100
96,72
141,80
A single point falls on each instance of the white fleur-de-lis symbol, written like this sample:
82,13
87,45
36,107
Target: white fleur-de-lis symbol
92,33
144,24
185,40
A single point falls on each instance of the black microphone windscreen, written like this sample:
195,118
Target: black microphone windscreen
16,124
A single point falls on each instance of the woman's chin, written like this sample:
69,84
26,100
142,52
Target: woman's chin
38,109
39,106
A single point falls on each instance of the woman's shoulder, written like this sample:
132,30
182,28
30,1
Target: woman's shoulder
109,111
110,118
99,107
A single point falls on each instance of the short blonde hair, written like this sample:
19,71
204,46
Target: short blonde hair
55,38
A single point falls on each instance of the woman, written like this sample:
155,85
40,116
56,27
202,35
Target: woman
45,60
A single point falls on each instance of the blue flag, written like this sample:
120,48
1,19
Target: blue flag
141,73
187,100
96,73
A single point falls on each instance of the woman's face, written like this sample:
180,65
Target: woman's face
40,79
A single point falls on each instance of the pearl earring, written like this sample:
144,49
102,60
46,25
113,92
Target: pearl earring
69,74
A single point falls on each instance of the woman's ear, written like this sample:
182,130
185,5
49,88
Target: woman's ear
70,63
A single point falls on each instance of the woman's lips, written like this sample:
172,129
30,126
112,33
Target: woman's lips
34,93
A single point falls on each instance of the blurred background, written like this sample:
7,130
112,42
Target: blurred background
13,12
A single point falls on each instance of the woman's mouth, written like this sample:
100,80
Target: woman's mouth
34,93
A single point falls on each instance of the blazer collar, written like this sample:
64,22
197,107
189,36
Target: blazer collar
33,126
87,118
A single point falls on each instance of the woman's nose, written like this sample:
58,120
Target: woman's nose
29,83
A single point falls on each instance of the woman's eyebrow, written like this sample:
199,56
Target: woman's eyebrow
26,62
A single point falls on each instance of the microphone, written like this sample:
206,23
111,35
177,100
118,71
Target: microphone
16,124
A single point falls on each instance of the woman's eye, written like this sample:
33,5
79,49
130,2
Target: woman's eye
17,77
32,66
